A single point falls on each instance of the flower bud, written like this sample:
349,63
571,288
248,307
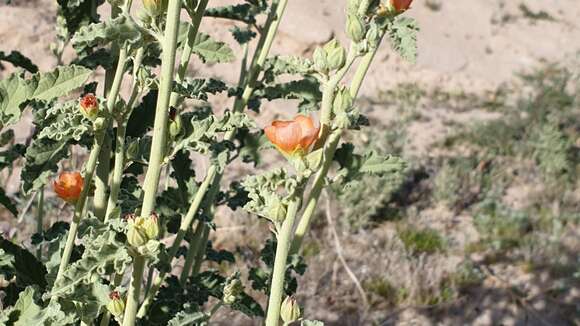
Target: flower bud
355,28
174,123
136,233
290,311
335,55
374,36
276,211
116,306
132,150
342,101
99,124
69,186
155,8
151,226
232,289
320,60
89,106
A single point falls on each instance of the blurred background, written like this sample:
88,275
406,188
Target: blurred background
483,228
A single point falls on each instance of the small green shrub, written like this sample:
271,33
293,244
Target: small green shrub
420,241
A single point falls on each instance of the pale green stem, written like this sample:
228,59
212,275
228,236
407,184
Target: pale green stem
279,272
39,220
103,167
185,225
263,48
328,95
120,140
202,247
80,205
188,46
334,139
191,252
158,150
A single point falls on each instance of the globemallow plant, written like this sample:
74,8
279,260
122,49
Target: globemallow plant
114,261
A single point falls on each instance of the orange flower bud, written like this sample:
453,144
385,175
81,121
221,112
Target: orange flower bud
89,106
401,5
68,186
293,137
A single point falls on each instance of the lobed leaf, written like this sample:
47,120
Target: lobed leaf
403,35
211,51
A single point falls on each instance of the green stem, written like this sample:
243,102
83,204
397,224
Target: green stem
134,291
158,150
328,96
188,47
120,140
104,164
202,247
262,49
39,220
192,252
334,139
279,272
185,224
80,205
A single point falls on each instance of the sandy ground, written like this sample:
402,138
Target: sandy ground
474,45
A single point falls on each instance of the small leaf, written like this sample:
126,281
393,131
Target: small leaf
211,51
14,92
120,30
403,35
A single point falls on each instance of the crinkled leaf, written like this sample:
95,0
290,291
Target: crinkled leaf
66,122
211,51
306,90
199,88
241,12
403,35
189,316
120,29
353,166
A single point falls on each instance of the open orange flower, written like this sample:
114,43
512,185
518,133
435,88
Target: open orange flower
68,186
401,5
293,137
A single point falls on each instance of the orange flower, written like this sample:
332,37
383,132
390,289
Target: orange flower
89,106
401,5
68,186
293,137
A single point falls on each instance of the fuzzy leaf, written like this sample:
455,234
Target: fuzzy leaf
306,90
60,82
18,60
353,166
403,36
103,255
120,29
199,88
241,12
67,122
14,92
211,51
188,316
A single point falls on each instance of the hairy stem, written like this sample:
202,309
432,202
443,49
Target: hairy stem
314,195
158,149
120,140
185,225
279,272
103,167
